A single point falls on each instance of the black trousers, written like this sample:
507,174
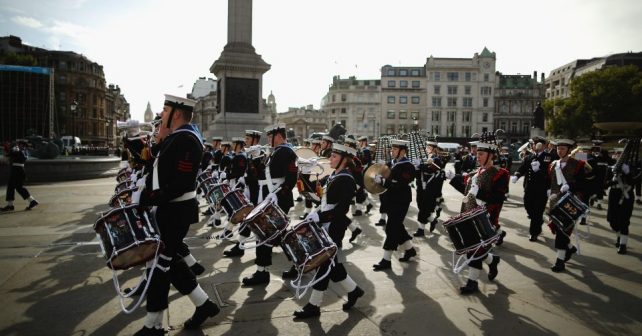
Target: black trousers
426,203
562,239
396,233
619,215
337,273
16,182
171,266
535,204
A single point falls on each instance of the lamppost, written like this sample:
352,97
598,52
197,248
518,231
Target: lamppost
74,107
415,123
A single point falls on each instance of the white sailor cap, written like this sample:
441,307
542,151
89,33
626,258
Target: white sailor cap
432,143
217,138
362,138
342,149
564,142
399,143
180,103
474,143
226,143
350,141
274,128
328,138
238,140
253,133
315,141
487,147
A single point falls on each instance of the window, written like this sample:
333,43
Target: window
343,110
334,111
414,115
390,129
468,102
452,101
467,89
437,89
485,102
467,76
485,90
403,72
391,72
391,99
403,100
450,116
466,116
452,76
450,130
436,101
343,122
414,73
391,83
486,77
415,84
502,125
484,129
526,128
513,127
391,114
435,129
452,89
465,130
403,83
415,99
403,114
485,117
334,98
436,115
344,97
437,76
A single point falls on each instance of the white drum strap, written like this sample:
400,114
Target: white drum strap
558,173
155,184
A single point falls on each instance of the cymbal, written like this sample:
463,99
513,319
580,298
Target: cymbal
369,176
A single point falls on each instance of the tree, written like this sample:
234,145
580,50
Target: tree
611,94
16,59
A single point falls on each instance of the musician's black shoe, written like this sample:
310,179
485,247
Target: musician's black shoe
470,288
532,238
299,199
357,213
292,273
381,222
302,217
559,266
492,268
621,249
354,235
139,290
353,297
382,265
32,205
150,332
309,310
411,252
258,278
501,238
235,251
207,212
433,225
583,221
569,253
368,208
419,233
617,242
599,206
7,208
202,313
197,269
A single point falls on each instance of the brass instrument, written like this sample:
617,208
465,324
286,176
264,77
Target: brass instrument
369,178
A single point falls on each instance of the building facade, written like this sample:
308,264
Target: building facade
516,97
117,109
403,99
354,103
303,121
204,112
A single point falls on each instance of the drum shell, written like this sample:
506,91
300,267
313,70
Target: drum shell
124,197
267,221
215,195
471,229
568,210
236,206
308,246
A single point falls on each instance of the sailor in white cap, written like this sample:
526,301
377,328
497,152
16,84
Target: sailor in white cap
395,202
429,183
332,216
326,146
171,188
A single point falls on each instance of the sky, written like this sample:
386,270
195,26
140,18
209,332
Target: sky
153,47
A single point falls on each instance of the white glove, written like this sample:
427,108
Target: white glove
450,174
314,216
535,166
378,179
514,178
626,169
548,193
564,188
133,178
474,189
136,196
222,176
140,182
271,197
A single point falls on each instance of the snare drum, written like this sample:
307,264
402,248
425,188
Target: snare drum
308,246
123,175
236,206
267,221
215,195
127,237
470,230
568,210
122,186
122,198
202,177
206,185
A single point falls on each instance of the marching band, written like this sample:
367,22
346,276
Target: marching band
248,188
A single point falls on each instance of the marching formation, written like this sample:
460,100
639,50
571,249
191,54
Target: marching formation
248,188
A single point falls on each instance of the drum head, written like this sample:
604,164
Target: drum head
135,256
305,153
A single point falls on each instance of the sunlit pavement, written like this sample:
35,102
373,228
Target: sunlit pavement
54,280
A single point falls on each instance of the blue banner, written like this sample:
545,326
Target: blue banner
37,70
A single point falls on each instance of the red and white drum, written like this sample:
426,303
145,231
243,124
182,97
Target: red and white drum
127,237
122,186
123,198
471,230
215,195
308,246
236,206
267,221
123,175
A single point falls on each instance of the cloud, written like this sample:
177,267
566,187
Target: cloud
67,29
27,21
